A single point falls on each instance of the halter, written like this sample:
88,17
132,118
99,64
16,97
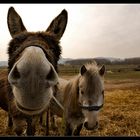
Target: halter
34,43
91,108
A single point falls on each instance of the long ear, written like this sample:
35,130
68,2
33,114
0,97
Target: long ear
58,25
83,70
14,22
102,70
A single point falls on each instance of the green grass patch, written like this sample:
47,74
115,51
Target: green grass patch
123,75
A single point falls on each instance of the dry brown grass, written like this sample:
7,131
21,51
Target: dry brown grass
120,115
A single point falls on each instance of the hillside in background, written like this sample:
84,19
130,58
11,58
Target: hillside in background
100,60
3,63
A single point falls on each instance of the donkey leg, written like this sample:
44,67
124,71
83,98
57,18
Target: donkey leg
32,122
47,122
10,121
68,130
30,127
9,125
18,125
77,130
41,120
52,122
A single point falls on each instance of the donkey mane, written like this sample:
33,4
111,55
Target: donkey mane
44,40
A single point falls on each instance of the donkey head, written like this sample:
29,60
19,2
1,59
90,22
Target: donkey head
91,94
32,63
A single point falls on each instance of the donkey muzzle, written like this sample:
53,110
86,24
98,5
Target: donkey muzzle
90,128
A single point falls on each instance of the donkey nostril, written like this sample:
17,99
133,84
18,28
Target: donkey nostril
96,126
86,124
50,74
96,123
90,128
15,73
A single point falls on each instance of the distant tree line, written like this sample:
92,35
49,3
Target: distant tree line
126,61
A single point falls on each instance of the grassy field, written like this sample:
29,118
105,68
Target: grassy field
120,115
112,71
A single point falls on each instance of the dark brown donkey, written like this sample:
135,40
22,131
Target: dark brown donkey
32,68
3,94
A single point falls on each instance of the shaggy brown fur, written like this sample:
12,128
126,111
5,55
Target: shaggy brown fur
44,40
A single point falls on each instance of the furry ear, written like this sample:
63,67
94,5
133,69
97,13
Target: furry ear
58,25
83,70
14,22
102,70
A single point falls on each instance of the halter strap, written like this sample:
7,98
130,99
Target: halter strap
91,108
22,47
36,43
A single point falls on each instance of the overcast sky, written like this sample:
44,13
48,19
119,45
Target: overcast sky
93,30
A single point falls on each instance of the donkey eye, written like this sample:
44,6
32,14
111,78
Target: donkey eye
15,73
49,74
82,92
103,93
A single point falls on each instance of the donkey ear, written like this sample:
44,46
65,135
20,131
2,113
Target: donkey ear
83,70
14,22
102,70
58,25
